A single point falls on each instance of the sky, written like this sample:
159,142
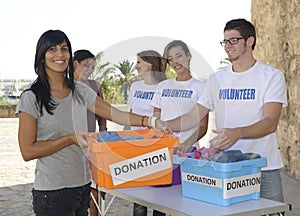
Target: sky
118,28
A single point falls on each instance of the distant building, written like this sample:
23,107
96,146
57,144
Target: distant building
13,87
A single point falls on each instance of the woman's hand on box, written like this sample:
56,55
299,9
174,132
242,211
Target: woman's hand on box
80,138
184,147
162,125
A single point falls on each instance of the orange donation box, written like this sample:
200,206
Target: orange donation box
132,163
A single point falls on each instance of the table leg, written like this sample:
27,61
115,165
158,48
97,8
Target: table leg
101,198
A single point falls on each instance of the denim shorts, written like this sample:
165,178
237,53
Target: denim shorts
271,187
62,202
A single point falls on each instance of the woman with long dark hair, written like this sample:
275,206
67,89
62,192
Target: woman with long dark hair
52,126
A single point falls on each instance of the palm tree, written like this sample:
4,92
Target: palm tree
126,77
102,71
105,74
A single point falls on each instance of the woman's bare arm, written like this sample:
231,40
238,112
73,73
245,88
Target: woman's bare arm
30,147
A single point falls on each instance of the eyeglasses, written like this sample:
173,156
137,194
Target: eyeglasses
231,41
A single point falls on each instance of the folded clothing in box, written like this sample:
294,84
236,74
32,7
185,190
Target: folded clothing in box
112,136
218,182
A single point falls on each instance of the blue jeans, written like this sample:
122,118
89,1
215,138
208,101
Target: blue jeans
271,187
62,202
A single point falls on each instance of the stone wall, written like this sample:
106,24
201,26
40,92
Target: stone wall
278,44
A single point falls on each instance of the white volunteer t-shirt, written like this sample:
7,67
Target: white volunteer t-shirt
176,98
238,99
139,100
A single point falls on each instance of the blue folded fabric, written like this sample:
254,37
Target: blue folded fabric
232,156
112,136
249,156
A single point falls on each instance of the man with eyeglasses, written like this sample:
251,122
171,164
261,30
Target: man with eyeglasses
247,98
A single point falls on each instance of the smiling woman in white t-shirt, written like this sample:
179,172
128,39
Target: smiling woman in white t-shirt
151,69
177,96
